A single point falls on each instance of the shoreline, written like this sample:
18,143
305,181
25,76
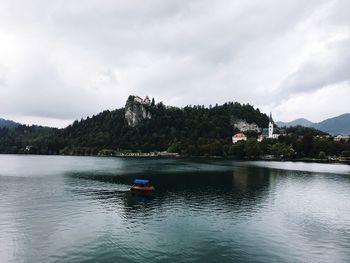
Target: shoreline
145,156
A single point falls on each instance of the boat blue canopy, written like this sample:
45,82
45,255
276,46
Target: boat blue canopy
141,181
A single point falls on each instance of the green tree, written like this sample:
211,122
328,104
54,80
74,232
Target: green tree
236,151
282,150
345,154
322,155
175,147
252,148
307,144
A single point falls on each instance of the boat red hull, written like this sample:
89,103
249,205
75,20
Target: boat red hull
142,188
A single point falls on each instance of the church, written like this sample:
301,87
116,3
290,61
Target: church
272,131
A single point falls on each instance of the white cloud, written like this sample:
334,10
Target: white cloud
63,60
317,105
324,68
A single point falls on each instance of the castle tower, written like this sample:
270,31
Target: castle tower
270,126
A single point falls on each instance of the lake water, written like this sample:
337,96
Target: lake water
78,209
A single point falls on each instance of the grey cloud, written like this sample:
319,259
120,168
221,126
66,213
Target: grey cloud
2,76
89,55
189,29
323,69
340,14
41,91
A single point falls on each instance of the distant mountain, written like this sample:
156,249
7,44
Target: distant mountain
335,125
300,121
7,123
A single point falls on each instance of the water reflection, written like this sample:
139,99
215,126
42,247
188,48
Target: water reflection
230,192
204,211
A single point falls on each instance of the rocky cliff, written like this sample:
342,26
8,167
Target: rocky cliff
136,110
243,126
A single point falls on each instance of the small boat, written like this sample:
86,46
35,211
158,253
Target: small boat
142,185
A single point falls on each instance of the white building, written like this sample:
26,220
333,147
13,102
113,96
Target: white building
138,99
28,148
341,138
271,131
142,101
238,137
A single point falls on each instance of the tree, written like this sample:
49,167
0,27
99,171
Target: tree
236,151
175,147
345,154
282,150
307,144
322,155
252,148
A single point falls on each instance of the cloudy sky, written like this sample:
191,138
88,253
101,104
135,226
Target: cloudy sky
64,60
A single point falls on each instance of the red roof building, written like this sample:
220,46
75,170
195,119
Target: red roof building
239,137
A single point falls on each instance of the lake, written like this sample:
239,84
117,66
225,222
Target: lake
79,209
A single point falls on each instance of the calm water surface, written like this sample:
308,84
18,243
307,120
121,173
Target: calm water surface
78,209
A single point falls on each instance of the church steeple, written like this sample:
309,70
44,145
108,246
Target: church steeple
270,126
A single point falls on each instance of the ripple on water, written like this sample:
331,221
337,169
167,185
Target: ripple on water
203,211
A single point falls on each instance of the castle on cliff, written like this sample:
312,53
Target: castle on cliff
136,110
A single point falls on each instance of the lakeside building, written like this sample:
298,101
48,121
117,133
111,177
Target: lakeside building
324,136
339,138
28,148
239,137
272,131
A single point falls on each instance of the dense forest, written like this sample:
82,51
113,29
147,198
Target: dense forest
292,146
189,131
37,139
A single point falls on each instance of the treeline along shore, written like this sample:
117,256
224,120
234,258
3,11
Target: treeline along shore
146,128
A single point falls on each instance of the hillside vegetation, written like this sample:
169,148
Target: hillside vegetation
7,123
189,131
193,130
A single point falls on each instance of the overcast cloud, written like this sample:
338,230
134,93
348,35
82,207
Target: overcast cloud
64,60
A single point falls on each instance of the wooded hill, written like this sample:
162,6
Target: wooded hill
189,131
192,130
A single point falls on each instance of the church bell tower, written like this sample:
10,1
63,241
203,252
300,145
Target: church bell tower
270,126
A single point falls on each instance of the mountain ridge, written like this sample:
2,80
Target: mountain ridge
335,125
8,123
300,121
